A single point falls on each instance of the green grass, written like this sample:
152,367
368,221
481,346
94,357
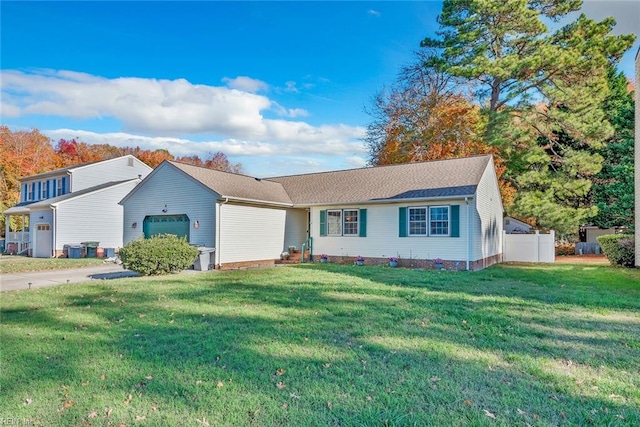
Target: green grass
21,264
328,345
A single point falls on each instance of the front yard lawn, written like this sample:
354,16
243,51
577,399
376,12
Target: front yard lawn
328,345
21,264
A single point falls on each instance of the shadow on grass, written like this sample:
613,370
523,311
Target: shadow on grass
339,347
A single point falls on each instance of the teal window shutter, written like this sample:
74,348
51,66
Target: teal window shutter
38,191
402,224
455,220
23,196
363,223
323,223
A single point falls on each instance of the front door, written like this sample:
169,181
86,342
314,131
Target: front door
166,224
43,241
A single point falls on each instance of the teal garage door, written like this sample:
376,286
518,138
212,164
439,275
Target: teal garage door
166,224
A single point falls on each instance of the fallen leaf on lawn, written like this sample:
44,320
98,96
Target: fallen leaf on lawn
294,396
154,408
86,383
326,365
281,371
521,412
141,417
128,399
330,405
281,385
203,422
148,377
220,384
103,377
620,417
434,379
198,382
563,415
108,412
468,402
68,404
29,401
86,423
285,405
92,414
140,315
171,321
122,425
536,416
614,396
489,414
464,322
369,398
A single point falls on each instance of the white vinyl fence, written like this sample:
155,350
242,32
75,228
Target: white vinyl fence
529,247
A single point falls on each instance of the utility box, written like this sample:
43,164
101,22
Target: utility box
205,259
109,252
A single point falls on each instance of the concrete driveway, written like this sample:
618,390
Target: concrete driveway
40,279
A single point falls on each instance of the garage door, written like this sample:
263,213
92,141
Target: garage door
166,224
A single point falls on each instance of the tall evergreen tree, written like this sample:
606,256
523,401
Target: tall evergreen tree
542,92
613,187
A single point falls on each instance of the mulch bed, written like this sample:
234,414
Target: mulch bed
582,259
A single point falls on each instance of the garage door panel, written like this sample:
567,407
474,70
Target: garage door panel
166,224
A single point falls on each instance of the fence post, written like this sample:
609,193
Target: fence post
537,245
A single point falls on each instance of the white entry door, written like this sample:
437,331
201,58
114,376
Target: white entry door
43,241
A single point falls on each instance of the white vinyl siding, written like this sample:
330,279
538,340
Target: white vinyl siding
96,216
295,232
181,195
487,221
250,233
117,169
382,239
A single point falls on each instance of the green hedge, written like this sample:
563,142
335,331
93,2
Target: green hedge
160,254
619,249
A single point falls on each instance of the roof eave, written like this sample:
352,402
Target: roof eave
385,201
254,201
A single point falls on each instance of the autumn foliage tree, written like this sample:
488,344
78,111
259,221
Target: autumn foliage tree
424,116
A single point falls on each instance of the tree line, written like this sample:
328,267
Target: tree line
29,152
550,106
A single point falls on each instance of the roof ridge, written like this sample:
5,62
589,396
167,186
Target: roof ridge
378,166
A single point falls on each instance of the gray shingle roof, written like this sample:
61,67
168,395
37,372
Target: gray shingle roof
439,178
235,185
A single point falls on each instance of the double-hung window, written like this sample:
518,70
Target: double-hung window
439,221
43,190
334,223
350,222
417,221
343,222
425,221
59,189
32,191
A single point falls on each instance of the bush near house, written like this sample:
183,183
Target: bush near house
619,249
160,254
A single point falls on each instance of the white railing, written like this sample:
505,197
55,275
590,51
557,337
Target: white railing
17,236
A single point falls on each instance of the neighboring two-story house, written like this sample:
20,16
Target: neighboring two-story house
72,205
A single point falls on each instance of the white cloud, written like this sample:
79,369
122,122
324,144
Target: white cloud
246,84
165,107
355,162
373,12
290,86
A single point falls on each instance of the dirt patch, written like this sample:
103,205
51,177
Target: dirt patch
582,259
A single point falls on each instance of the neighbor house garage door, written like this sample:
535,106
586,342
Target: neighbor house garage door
166,224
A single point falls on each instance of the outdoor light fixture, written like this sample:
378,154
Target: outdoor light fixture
196,224
165,209
134,225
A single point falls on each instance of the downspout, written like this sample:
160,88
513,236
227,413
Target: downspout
219,221
466,200
55,230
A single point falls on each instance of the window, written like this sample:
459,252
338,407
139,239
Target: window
43,192
417,221
439,221
32,191
59,191
334,223
351,222
44,227
347,222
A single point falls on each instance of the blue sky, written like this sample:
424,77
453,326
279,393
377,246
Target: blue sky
279,86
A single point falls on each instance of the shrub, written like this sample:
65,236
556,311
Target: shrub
565,249
160,254
619,249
